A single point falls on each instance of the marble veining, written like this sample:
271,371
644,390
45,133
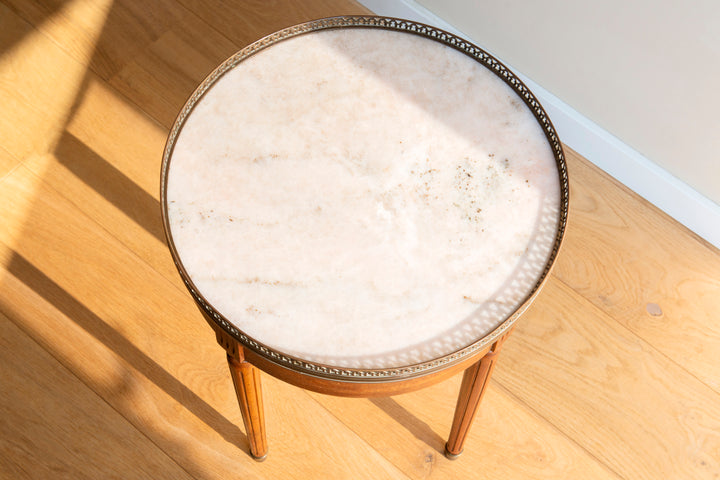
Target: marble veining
363,198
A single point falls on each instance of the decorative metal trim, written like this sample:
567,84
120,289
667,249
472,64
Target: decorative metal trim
396,24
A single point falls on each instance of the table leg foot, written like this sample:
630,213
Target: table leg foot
259,459
451,456
246,379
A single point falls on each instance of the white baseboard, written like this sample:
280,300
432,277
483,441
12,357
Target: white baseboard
658,186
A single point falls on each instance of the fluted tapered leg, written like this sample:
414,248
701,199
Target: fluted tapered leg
474,383
246,379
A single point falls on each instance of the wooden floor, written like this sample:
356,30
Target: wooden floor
108,370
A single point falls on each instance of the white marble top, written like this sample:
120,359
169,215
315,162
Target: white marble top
363,198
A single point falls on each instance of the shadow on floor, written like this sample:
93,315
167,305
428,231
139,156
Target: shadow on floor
27,273
411,423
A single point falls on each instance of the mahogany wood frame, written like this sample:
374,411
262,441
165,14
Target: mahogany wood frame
245,365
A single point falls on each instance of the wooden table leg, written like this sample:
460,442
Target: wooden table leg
246,379
474,382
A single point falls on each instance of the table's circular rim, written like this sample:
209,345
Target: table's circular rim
354,374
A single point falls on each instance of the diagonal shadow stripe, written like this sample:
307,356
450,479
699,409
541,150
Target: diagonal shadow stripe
27,273
412,424
111,183
16,25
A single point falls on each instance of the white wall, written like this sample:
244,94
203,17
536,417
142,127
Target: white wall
647,71
633,85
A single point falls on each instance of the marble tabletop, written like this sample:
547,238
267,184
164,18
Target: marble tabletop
363,198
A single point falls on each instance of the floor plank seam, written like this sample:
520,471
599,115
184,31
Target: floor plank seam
357,435
645,342
497,383
635,197
32,338
132,66
10,172
89,69
104,229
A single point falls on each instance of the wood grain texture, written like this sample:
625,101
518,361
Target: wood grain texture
106,162
38,84
610,391
612,373
125,27
155,54
139,342
472,388
162,77
248,388
246,21
7,162
644,270
506,441
51,423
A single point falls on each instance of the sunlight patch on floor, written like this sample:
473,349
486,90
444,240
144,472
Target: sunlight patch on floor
39,85
119,132
39,81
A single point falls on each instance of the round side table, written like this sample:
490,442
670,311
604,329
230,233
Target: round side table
363,206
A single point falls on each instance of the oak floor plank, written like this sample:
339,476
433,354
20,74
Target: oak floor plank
107,162
610,391
53,426
7,162
104,34
609,375
157,53
154,53
643,269
74,26
38,85
162,77
507,440
138,341
244,21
